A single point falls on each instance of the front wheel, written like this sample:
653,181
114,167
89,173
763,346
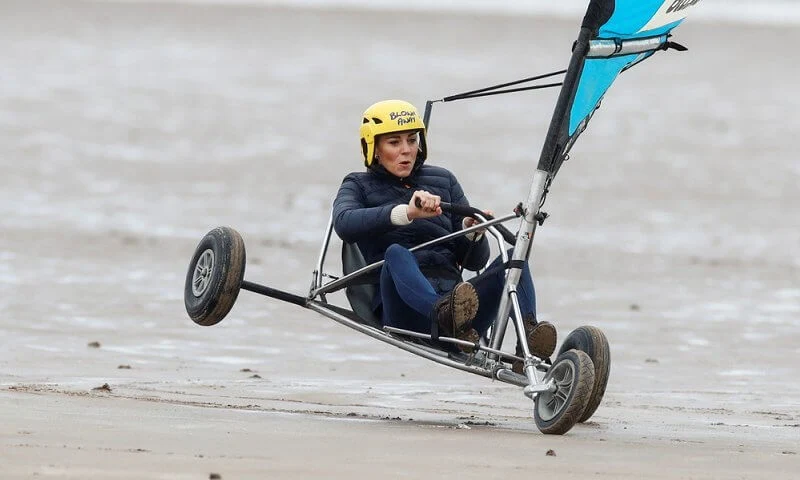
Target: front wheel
592,341
215,276
558,411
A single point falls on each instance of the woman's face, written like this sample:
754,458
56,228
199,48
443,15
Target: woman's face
397,152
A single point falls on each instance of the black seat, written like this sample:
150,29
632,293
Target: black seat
360,296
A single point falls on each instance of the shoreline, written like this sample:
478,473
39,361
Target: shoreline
722,14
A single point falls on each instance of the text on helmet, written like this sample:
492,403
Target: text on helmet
404,117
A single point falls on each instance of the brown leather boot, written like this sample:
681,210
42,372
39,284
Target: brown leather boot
470,335
454,312
541,337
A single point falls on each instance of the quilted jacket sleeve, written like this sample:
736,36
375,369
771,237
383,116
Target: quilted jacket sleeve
352,219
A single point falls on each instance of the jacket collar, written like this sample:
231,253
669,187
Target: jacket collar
381,172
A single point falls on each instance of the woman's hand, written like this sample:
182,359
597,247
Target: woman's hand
469,222
428,205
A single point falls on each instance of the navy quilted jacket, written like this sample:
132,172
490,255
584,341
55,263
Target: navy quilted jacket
362,210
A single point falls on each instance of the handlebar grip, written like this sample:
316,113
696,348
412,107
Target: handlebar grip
509,237
463,210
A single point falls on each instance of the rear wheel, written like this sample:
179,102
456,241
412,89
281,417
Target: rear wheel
592,341
558,411
215,276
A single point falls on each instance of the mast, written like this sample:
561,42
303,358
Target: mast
598,12
551,156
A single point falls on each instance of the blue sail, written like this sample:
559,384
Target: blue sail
626,32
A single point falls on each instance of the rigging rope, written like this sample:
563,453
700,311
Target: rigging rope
493,90
482,91
498,92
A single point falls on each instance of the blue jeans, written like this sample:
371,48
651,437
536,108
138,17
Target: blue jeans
408,297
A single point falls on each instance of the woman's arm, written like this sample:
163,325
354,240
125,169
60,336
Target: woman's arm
352,219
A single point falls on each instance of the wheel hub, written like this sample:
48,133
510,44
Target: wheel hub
551,403
202,273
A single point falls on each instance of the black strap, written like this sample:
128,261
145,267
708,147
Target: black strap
516,264
504,266
674,46
434,327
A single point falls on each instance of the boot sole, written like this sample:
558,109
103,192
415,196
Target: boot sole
542,340
464,306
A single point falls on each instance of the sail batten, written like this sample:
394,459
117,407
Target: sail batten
607,48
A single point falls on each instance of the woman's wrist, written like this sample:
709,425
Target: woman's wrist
399,215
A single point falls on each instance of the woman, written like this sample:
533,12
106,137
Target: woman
394,206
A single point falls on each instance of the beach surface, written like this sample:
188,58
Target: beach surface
129,130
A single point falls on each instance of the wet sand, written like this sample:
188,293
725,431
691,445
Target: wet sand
129,130
116,436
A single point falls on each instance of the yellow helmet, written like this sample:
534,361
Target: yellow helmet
390,116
